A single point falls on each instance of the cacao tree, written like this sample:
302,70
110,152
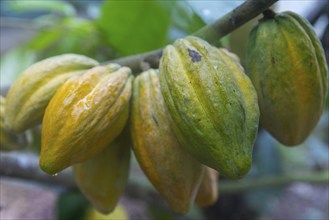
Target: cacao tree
170,93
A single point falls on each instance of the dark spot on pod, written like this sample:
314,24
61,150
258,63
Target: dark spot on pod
195,56
155,120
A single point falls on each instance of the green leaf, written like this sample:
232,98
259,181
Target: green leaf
14,62
136,26
184,20
37,5
71,35
44,39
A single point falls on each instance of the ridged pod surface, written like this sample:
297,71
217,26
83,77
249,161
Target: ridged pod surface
212,103
208,191
172,171
86,114
30,94
103,178
287,66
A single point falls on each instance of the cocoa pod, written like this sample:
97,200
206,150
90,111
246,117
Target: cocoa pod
103,178
30,94
212,103
172,171
86,114
9,140
287,66
208,191
119,213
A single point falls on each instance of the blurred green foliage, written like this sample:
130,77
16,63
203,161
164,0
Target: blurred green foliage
120,28
134,26
60,7
71,205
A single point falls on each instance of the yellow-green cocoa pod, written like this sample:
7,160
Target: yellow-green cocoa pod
212,103
86,114
30,94
173,172
208,191
103,178
9,140
119,213
287,66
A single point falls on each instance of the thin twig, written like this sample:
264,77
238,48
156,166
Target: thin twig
227,186
20,23
25,165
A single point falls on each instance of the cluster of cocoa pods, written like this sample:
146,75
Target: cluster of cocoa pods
192,119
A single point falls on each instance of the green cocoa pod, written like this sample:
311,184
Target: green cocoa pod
86,114
212,103
103,178
29,95
173,172
287,66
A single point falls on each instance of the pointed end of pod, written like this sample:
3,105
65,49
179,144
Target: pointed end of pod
181,208
118,213
49,166
207,200
238,168
103,208
291,139
241,171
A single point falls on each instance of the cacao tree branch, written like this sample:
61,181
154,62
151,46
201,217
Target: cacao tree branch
234,19
211,33
272,181
25,166
19,23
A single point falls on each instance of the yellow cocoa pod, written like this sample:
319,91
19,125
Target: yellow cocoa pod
208,191
86,114
103,178
30,94
287,66
119,213
213,104
173,172
9,140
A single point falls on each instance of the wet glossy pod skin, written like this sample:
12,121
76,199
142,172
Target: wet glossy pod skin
172,171
286,63
213,105
31,92
208,190
84,116
103,178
